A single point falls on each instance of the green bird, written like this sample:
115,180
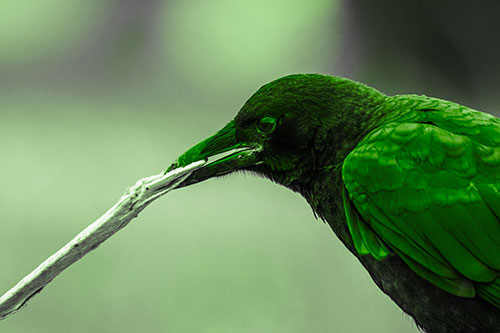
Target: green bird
410,184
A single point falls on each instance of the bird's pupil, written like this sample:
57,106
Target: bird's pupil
266,124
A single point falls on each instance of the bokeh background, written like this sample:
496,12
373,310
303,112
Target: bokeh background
97,94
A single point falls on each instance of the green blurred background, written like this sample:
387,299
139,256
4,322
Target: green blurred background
97,94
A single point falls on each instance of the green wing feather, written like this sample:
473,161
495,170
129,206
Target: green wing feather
365,239
426,187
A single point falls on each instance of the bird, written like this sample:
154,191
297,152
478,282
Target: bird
410,185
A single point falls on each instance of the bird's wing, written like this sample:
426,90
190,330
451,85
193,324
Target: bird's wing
429,193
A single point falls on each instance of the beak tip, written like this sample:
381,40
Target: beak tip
173,166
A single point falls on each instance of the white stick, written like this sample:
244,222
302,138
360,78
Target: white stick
130,204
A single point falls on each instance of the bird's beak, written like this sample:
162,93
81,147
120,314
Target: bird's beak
223,154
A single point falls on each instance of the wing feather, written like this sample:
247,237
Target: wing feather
429,193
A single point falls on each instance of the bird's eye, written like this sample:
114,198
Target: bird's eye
266,125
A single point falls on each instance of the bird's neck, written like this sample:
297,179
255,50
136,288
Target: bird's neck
362,109
321,185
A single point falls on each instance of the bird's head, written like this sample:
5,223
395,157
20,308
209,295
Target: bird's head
286,131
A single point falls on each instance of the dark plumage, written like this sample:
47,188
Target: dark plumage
408,183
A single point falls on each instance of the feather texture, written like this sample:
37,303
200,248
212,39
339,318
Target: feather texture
426,186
